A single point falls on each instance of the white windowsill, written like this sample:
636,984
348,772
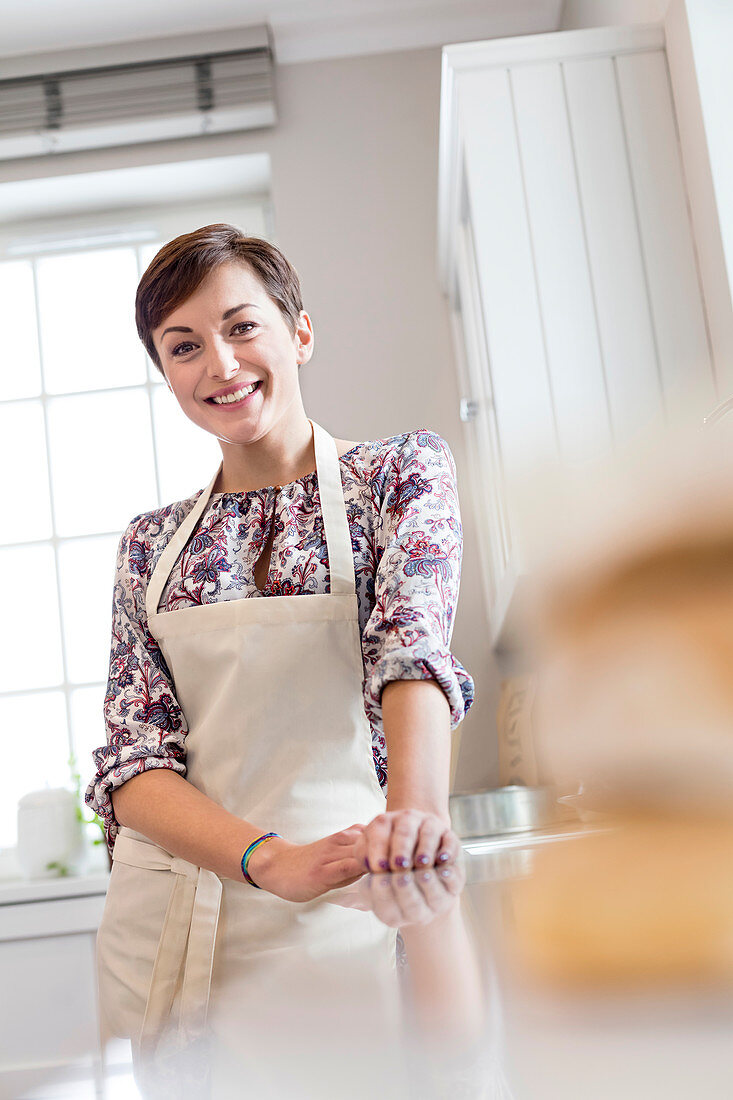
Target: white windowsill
14,888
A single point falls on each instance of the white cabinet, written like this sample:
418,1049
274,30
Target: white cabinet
567,255
49,1029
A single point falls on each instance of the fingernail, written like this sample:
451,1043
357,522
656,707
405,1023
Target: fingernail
403,880
426,875
445,872
443,857
384,864
423,859
366,864
401,861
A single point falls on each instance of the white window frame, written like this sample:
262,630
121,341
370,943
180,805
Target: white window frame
137,228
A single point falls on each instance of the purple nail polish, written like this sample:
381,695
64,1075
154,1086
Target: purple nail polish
401,861
423,859
384,864
443,857
366,864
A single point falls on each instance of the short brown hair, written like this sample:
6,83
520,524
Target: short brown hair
178,269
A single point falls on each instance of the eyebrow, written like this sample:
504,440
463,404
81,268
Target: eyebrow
225,317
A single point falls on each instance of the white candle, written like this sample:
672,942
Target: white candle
50,837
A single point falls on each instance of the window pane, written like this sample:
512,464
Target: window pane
145,255
153,372
87,317
30,639
147,251
26,511
86,571
21,374
36,754
87,728
102,461
187,455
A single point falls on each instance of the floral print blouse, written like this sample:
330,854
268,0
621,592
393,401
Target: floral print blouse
403,510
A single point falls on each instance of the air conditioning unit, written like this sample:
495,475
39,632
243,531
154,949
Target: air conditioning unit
137,92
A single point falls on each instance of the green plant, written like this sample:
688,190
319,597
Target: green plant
95,819
60,867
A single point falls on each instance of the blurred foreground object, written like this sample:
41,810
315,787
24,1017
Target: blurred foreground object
632,635
648,903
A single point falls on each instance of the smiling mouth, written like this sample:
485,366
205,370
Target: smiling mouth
235,398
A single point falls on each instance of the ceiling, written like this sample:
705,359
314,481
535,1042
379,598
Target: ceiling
303,30
211,178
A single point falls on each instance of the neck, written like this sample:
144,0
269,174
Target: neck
284,454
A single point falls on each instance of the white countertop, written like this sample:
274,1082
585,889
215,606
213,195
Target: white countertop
15,889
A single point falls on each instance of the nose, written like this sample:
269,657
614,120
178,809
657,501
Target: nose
221,361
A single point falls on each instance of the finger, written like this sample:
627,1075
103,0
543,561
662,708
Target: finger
450,847
431,886
428,841
359,851
405,826
382,899
453,878
440,887
377,835
343,870
348,835
411,901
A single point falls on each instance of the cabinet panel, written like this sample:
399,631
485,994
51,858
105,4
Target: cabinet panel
49,1011
617,264
666,233
561,170
561,258
487,475
505,265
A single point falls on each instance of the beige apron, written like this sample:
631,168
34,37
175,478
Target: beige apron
271,689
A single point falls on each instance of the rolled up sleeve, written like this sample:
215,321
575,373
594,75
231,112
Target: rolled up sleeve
417,580
145,726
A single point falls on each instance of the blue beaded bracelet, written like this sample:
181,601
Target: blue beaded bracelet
248,852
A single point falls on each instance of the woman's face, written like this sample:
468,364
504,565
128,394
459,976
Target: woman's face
226,336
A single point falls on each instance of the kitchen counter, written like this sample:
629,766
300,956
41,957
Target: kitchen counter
15,889
532,1045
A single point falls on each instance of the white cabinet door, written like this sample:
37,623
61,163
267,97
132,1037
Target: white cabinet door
49,1031
567,251
49,1010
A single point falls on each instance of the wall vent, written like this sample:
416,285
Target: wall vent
93,105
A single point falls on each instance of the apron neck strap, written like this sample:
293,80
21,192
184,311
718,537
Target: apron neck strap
333,507
335,524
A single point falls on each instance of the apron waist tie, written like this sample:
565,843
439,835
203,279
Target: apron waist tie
189,931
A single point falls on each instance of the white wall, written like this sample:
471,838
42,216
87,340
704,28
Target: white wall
354,171
577,14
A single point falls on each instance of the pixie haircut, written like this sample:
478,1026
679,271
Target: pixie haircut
180,267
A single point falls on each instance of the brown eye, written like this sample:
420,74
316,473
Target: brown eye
179,349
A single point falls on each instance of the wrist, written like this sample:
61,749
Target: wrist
422,805
261,860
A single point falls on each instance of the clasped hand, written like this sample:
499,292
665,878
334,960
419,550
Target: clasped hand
399,840
396,840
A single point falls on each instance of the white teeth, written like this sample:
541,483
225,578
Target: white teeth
228,398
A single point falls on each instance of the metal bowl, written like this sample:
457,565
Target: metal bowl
505,810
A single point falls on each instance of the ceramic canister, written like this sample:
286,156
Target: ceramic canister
50,837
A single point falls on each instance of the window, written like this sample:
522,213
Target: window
90,436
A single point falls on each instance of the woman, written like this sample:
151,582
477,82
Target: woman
230,719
